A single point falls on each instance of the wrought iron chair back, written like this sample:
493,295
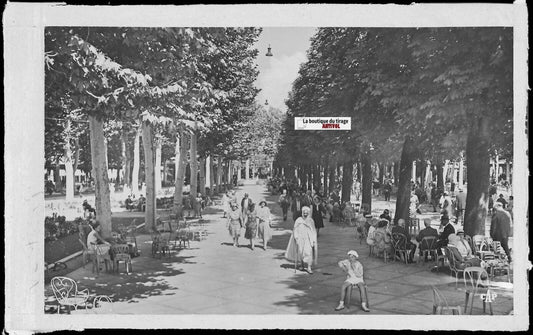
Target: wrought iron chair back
66,293
399,243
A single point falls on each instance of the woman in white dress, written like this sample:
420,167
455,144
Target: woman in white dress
303,244
265,219
225,204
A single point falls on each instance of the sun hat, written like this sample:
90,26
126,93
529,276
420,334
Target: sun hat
354,253
262,202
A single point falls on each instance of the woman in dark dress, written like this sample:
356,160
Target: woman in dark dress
317,212
251,224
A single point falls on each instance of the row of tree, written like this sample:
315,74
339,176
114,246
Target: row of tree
413,94
187,89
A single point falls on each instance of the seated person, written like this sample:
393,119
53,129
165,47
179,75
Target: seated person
428,231
386,215
370,236
457,250
447,229
463,246
95,238
141,203
354,271
400,229
382,238
129,203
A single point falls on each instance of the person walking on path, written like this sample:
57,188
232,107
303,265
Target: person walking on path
264,220
460,205
245,202
316,213
500,227
387,189
354,271
235,223
284,202
435,196
303,244
251,224
296,206
225,204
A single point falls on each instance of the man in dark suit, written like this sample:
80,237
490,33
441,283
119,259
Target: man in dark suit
447,231
316,213
500,227
460,205
428,231
296,206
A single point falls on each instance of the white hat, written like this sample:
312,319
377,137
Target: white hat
353,252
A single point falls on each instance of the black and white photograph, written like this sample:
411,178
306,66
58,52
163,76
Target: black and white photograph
266,166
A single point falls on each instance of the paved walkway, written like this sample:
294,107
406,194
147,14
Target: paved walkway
213,277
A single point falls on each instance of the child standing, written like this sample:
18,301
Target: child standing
354,270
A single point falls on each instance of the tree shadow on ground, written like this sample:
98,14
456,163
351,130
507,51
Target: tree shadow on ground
147,279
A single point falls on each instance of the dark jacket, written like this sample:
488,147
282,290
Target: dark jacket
500,225
317,211
429,231
448,230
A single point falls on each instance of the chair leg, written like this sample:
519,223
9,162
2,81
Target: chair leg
471,303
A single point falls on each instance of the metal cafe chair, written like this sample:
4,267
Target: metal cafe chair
440,304
67,294
477,283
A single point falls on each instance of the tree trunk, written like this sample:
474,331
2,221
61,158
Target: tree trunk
381,167
211,178
149,174
326,175
202,175
57,175
331,183
366,180
69,172
157,167
440,173
194,165
76,160
347,181
136,163
101,179
423,164
126,159
316,177
478,174
219,174
165,172
181,164
396,172
117,181
404,186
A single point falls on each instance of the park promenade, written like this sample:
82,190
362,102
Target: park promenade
214,277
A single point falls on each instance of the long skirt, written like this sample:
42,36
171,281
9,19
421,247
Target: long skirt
251,230
234,229
264,231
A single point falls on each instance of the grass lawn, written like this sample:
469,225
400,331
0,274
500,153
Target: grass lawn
67,245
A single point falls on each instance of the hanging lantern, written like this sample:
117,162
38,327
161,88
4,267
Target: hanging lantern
269,52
